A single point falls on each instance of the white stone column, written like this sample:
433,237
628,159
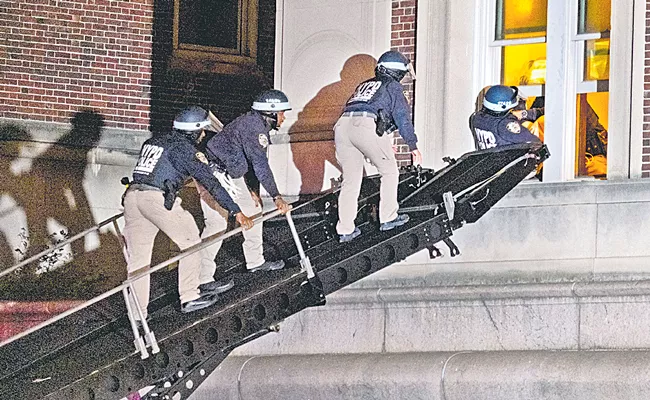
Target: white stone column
323,50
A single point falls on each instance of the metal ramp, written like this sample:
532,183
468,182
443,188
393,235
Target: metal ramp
90,355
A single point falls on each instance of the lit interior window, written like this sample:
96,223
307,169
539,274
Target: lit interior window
594,16
517,19
591,134
524,64
597,59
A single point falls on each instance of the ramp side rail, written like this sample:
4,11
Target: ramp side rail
127,284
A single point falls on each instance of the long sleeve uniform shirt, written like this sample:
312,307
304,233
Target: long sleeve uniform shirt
384,93
167,161
241,148
492,131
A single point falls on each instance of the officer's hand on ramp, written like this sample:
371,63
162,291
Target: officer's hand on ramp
244,221
416,157
282,205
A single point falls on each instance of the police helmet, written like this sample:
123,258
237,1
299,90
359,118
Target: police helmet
500,99
269,103
191,121
394,64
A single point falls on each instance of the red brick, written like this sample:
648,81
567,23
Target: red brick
411,18
407,3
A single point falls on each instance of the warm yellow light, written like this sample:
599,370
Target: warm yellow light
523,7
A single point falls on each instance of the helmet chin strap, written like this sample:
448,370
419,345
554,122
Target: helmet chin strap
191,135
271,118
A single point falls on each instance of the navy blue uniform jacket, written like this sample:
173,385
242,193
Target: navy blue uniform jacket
492,131
241,146
167,161
384,93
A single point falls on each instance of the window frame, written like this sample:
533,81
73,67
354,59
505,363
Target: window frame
219,59
495,51
565,64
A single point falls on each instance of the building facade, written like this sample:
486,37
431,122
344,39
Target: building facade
559,265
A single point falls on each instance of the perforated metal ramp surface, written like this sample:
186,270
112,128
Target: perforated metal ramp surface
90,355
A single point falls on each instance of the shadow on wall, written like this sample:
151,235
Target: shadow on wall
44,202
312,135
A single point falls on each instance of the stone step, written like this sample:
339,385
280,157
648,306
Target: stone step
501,375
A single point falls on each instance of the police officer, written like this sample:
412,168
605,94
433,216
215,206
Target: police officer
150,205
238,156
497,124
376,108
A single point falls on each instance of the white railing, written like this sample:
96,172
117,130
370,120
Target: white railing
79,235
126,286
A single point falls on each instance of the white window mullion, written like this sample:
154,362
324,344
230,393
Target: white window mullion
514,42
620,90
560,97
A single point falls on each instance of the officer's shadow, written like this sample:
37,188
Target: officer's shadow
56,179
12,191
49,189
311,136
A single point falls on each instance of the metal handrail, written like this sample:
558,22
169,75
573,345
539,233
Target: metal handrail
190,250
60,245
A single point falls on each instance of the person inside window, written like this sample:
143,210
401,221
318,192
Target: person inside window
498,122
595,137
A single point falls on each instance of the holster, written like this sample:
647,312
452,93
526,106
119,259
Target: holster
170,195
384,123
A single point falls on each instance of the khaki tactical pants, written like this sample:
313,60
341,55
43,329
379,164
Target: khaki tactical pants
144,215
355,138
216,220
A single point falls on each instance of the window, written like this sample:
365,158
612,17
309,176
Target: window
520,33
517,56
592,40
519,19
217,35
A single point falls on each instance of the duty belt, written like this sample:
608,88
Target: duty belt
144,187
360,114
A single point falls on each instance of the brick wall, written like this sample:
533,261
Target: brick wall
228,95
57,57
646,100
403,30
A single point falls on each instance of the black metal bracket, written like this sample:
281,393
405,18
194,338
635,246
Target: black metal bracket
434,252
453,249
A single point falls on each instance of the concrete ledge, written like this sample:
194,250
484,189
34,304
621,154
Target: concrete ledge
608,315
445,376
491,292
